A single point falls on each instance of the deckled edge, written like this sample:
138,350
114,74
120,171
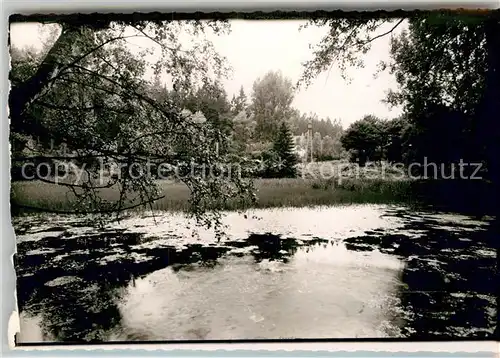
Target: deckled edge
13,328
13,325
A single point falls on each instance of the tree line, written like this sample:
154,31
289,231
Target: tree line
262,126
87,89
446,65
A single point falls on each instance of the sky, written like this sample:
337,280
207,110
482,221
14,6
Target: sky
256,47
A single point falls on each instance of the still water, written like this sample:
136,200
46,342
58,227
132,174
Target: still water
358,271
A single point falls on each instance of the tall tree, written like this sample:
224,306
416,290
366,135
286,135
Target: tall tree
272,97
444,96
90,92
239,103
395,139
284,148
211,100
439,65
243,128
366,137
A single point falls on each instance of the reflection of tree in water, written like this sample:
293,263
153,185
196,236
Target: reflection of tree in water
272,247
452,290
450,278
206,256
75,286
75,294
79,311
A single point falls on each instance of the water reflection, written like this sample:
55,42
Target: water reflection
390,274
309,296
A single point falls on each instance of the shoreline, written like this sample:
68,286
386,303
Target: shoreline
271,193
461,197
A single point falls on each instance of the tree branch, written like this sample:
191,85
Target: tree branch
83,186
384,34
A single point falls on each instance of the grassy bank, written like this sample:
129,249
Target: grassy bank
296,192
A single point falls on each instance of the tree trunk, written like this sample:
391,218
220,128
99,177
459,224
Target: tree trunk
24,94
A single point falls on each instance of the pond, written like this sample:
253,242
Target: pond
357,271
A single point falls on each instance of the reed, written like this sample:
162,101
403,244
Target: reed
294,192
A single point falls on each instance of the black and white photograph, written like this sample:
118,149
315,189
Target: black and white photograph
211,177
